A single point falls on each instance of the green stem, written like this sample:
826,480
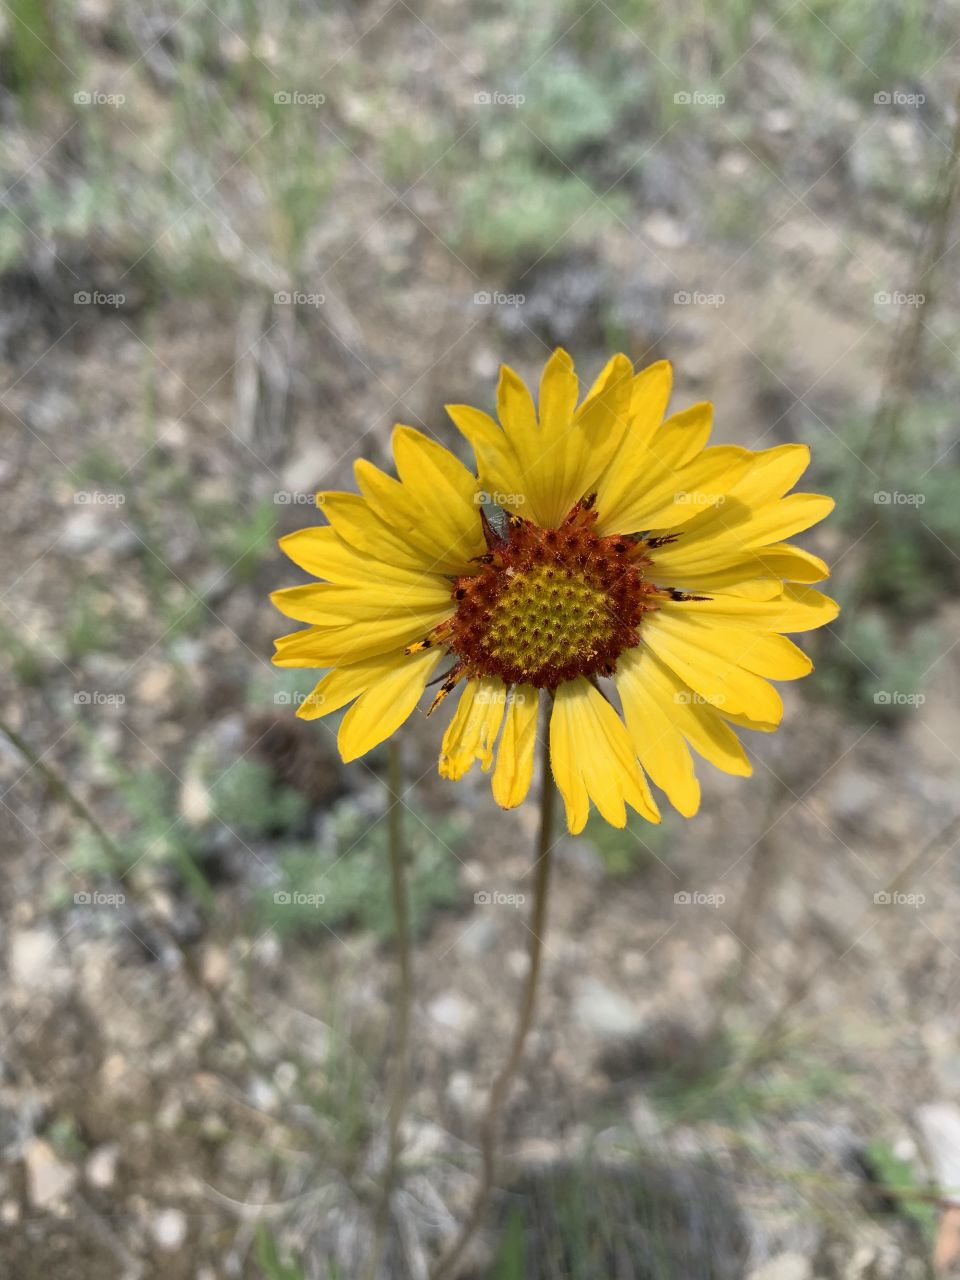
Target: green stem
500,1089
401,914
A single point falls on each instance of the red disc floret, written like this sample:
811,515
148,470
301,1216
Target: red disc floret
549,605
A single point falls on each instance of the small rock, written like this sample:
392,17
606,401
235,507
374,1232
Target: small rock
169,1230
100,1169
605,1012
451,1011
34,956
49,1180
785,1266
215,967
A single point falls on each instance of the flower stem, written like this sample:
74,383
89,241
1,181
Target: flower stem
500,1089
401,1053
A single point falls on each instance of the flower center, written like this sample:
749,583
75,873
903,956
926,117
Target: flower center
550,604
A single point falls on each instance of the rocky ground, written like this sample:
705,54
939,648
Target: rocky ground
194,1062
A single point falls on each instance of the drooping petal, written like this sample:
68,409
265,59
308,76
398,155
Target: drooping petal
473,730
592,758
514,769
650,717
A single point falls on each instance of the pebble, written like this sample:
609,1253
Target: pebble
100,1169
49,1180
169,1230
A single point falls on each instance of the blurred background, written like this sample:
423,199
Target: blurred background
238,242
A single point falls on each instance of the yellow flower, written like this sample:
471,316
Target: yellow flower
598,541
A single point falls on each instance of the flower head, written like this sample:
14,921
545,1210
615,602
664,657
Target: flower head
596,542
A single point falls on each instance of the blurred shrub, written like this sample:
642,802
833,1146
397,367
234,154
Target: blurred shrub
344,881
632,850
901,514
248,800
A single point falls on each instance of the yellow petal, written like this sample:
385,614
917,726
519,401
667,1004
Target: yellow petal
343,684
592,758
473,730
321,551
718,679
514,768
655,494
364,637
651,722
649,393
361,528
765,654
675,567
696,719
329,605
382,709
796,609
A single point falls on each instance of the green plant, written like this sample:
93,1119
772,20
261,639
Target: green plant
900,1182
268,1257
632,850
247,799
340,883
